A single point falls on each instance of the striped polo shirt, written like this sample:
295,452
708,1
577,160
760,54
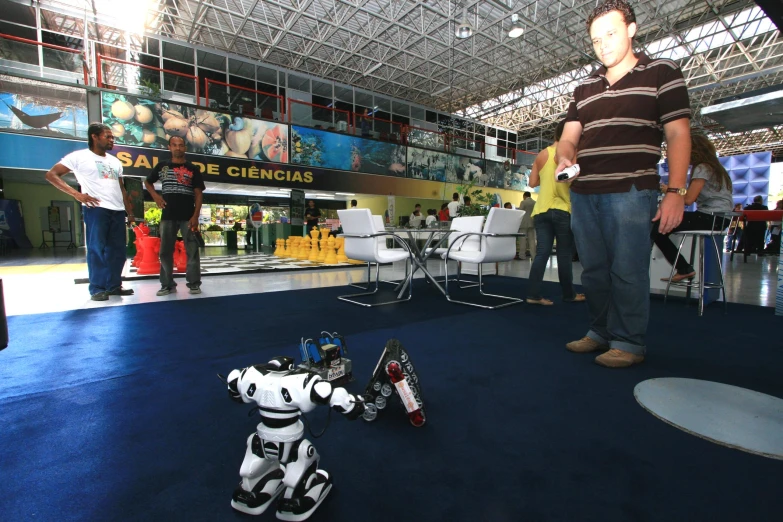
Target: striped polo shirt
622,125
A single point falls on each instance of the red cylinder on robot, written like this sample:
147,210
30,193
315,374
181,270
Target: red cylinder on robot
394,371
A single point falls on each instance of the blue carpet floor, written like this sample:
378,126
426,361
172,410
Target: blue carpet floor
116,413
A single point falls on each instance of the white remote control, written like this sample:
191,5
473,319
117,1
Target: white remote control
569,173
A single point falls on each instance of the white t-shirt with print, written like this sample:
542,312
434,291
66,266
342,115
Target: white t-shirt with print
98,176
454,208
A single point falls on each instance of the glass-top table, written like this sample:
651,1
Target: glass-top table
434,238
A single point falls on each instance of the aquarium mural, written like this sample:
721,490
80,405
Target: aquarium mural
467,170
430,164
146,123
518,178
42,115
332,150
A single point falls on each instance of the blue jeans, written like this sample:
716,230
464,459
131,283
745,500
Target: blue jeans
612,233
550,225
105,248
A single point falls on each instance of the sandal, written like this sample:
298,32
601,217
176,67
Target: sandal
542,302
578,298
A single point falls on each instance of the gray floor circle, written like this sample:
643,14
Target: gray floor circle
721,413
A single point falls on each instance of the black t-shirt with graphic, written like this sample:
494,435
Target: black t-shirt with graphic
312,215
179,180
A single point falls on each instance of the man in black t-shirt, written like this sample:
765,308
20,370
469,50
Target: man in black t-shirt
311,216
181,204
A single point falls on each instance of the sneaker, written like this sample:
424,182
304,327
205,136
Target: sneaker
195,289
615,358
121,291
166,290
585,345
100,296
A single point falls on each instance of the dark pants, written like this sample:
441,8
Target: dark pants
690,221
311,225
168,236
105,248
550,225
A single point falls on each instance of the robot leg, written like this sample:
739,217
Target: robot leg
262,477
306,485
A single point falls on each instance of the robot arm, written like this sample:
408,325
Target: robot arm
232,382
350,406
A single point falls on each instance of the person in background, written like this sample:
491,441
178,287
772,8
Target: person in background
354,203
552,219
311,216
366,123
773,248
615,125
415,218
710,188
431,218
105,204
443,214
454,206
753,234
182,189
527,227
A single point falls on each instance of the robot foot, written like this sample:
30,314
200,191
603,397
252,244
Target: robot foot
300,508
266,491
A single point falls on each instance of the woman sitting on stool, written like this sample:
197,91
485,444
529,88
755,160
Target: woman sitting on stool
710,188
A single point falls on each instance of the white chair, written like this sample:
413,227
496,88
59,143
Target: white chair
362,243
380,226
461,225
497,244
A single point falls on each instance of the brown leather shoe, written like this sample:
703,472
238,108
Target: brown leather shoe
585,345
615,358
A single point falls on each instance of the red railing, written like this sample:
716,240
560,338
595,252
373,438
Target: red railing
333,124
385,136
99,73
280,103
51,46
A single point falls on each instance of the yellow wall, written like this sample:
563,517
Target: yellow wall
376,204
34,196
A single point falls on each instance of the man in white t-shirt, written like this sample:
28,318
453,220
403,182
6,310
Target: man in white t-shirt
105,205
454,206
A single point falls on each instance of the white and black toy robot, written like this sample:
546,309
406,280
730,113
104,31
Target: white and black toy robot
278,459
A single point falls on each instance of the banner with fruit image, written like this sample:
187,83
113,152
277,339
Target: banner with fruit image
146,123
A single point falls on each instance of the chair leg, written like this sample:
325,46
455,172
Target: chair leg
511,300
701,275
671,275
369,280
719,257
350,298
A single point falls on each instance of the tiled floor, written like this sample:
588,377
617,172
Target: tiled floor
38,281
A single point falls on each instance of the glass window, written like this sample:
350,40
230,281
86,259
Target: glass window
299,83
402,109
177,52
383,104
281,79
418,113
491,132
19,14
153,45
344,106
344,94
363,99
241,68
322,89
266,75
106,34
267,88
432,117
501,134
61,40
61,23
17,30
211,60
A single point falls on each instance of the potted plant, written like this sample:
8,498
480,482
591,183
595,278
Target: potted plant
152,217
480,202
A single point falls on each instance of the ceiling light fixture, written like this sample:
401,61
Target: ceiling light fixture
373,68
516,27
442,90
464,29
345,194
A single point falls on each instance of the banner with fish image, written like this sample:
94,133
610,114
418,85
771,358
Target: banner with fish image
467,170
146,123
334,150
49,112
495,174
431,165
518,178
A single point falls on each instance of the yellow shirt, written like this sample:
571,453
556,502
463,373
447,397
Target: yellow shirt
552,194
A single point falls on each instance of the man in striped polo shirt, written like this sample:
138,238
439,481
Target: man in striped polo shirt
615,126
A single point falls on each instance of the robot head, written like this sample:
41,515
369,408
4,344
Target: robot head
281,363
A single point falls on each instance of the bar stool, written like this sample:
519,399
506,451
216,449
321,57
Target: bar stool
700,237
